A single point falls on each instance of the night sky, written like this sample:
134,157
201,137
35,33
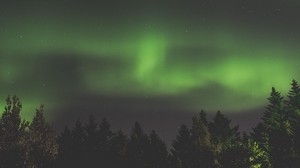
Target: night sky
156,62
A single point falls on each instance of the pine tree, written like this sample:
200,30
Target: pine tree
244,154
157,153
78,137
118,149
293,102
201,150
137,148
42,140
66,152
91,143
182,147
258,133
91,129
274,114
199,133
257,157
203,117
104,144
277,136
12,135
78,133
222,134
293,111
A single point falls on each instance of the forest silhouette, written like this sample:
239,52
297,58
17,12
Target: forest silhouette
273,143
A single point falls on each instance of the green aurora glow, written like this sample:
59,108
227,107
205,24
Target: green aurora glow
207,65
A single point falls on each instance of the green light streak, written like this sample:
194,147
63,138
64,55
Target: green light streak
146,65
150,55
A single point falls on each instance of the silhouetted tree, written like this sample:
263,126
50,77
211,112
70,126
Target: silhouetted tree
235,156
181,150
275,112
277,136
258,133
192,148
293,101
221,131
201,150
78,137
42,141
105,135
244,154
91,143
293,111
137,148
273,143
203,117
118,149
158,154
12,135
223,135
66,153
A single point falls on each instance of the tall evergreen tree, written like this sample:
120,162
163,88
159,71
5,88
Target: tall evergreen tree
157,154
244,154
201,150
66,153
277,137
118,149
203,117
275,112
181,147
192,148
293,111
293,101
12,135
105,135
222,133
137,148
42,140
91,143
78,137
258,133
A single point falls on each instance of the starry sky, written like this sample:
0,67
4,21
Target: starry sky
155,61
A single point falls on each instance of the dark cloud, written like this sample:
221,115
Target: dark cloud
194,56
58,71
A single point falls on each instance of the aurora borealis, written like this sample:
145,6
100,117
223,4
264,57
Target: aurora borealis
120,58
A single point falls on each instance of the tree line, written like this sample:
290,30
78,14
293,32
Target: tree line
273,143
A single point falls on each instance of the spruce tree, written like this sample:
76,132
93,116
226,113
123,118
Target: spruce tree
258,133
275,112
91,143
293,101
104,143
13,141
203,117
293,111
118,145
201,150
277,136
78,137
42,140
246,153
137,148
223,135
181,148
157,153
66,152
